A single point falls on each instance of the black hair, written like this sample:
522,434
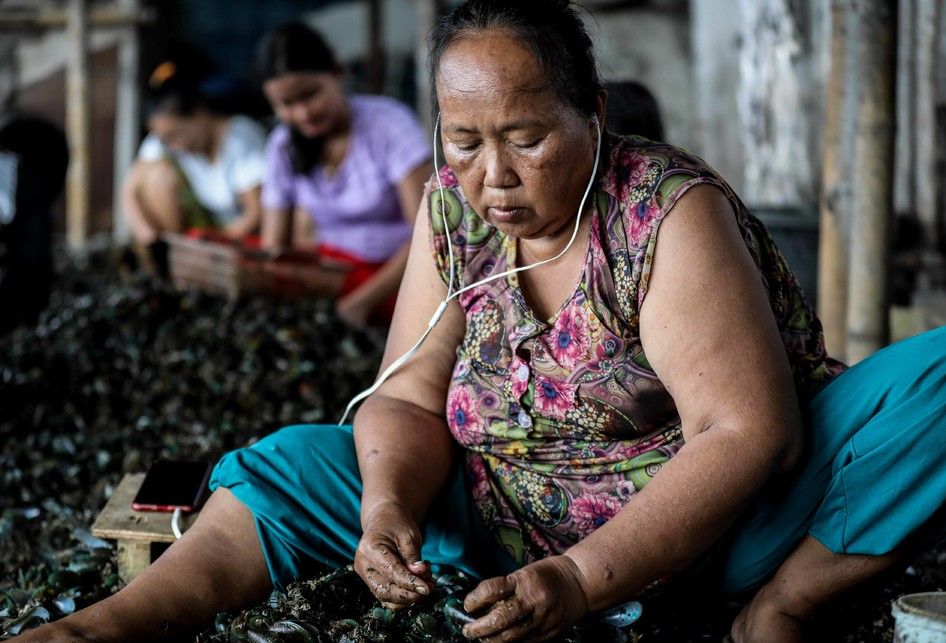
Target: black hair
174,85
632,109
295,47
551,29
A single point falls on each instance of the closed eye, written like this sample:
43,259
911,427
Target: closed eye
468,147
525,146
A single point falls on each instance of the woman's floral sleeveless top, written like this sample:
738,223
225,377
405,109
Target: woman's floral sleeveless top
563,420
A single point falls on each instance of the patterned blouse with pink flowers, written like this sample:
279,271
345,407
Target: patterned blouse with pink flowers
563,420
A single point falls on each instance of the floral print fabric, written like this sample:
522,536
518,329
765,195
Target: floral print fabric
563,420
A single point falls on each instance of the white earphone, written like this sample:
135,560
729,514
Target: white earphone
438,314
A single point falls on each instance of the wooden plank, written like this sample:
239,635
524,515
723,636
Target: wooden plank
119,521
868,307
926,179
133,558
105,17
127,117
832,254
78,125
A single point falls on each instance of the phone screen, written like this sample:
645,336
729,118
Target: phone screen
171,485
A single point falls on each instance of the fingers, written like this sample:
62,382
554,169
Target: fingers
421,567
488,592
381,566
409,549
518,631
507,617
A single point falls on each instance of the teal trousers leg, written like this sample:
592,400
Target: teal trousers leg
875,469
303,486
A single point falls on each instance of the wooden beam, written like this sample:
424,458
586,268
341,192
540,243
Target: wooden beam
832,254
127,116
926,45
78,126
53,18
868,306
904,194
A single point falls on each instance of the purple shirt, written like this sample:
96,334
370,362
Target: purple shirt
357,209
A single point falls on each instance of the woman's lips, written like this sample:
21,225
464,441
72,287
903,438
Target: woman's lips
504,214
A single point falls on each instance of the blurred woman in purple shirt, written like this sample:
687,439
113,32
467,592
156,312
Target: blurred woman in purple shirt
354,165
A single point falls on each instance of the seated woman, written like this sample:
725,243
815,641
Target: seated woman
655,397
198,167
352,165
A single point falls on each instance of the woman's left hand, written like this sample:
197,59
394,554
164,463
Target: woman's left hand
537,602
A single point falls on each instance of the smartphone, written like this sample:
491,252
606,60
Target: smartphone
171,485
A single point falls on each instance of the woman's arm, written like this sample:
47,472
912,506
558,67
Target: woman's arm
357,305
143,231
251,214
708,331
275,229
405,450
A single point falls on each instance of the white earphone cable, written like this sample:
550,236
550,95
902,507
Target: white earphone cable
438,314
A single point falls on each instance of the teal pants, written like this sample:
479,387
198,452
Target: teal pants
873,474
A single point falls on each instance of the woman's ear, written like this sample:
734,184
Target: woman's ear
601,106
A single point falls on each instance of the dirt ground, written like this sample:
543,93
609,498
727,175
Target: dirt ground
119,372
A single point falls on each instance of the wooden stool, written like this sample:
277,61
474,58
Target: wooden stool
135,531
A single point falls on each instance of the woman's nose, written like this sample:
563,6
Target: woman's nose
499,172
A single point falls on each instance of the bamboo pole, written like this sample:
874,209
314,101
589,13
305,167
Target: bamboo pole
78,111
832,254
867,312
926,15
905,142
127,115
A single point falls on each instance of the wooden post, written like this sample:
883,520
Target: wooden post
832,254
867,312
47,17
904,197
133,558
926,16
78,110
375,47
9,73
127,116
425,15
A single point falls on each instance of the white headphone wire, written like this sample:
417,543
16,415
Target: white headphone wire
438,314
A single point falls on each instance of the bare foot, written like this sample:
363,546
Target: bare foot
765,621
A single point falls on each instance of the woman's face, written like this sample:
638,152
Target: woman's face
312,103
523,155
190,134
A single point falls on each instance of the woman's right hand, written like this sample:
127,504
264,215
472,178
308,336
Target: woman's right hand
388,557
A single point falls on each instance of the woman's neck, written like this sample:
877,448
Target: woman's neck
543,248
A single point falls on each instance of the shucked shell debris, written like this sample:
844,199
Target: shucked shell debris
119,373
